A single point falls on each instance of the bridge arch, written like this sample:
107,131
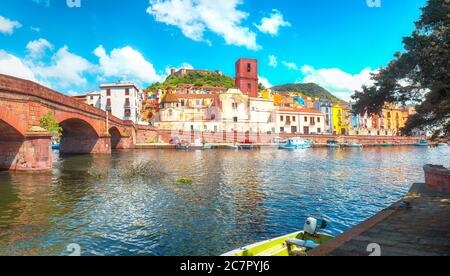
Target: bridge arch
78,137
11,141
120,139
116,137
8,132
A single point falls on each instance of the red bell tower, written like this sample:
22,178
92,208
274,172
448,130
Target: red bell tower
247,76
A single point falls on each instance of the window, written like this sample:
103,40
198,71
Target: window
318,119
306,119
249,86
281,118
235,106
319,130
182,102
108,92
92,97
127,102
313,121
235,119
108,102
192,128
327,110
127,91
293,118
249,67
281,129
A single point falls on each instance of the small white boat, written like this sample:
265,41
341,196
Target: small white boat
296,143
353,145
198,145
232,147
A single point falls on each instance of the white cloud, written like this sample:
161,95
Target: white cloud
273,61
291,65
14,66
126,63
271,25
335,80
65,69
195,17
264,81
7,26
37,48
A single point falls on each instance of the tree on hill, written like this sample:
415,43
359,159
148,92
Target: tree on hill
197,79
308,89
420,75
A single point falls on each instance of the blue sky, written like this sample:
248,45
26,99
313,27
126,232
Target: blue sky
333,43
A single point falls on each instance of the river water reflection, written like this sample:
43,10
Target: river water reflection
236,198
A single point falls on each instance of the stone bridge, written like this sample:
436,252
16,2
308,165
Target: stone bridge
24,146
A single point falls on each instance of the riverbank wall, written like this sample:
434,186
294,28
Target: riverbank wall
149,135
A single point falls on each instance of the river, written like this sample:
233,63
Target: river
236,198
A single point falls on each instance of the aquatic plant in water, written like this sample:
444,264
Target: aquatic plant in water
97,173
184,181
142,169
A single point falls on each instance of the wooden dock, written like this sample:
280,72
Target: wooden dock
417,225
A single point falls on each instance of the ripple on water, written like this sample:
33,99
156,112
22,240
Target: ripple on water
236,198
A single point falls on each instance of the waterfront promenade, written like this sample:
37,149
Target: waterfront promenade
417,225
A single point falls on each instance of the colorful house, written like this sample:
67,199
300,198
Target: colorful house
326,107
299,121
340,115
392,118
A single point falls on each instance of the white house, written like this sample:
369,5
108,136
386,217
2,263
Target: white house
94,99
299,121
123,100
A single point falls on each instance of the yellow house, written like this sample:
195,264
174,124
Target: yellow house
393,118
277,98
339,120
265,94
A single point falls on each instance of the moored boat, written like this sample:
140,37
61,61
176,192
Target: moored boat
353,145
296,143
333,144
386,145
232,147
422,143
295,244
247,145
198,145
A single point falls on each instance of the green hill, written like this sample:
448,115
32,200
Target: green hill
308,89
197,79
